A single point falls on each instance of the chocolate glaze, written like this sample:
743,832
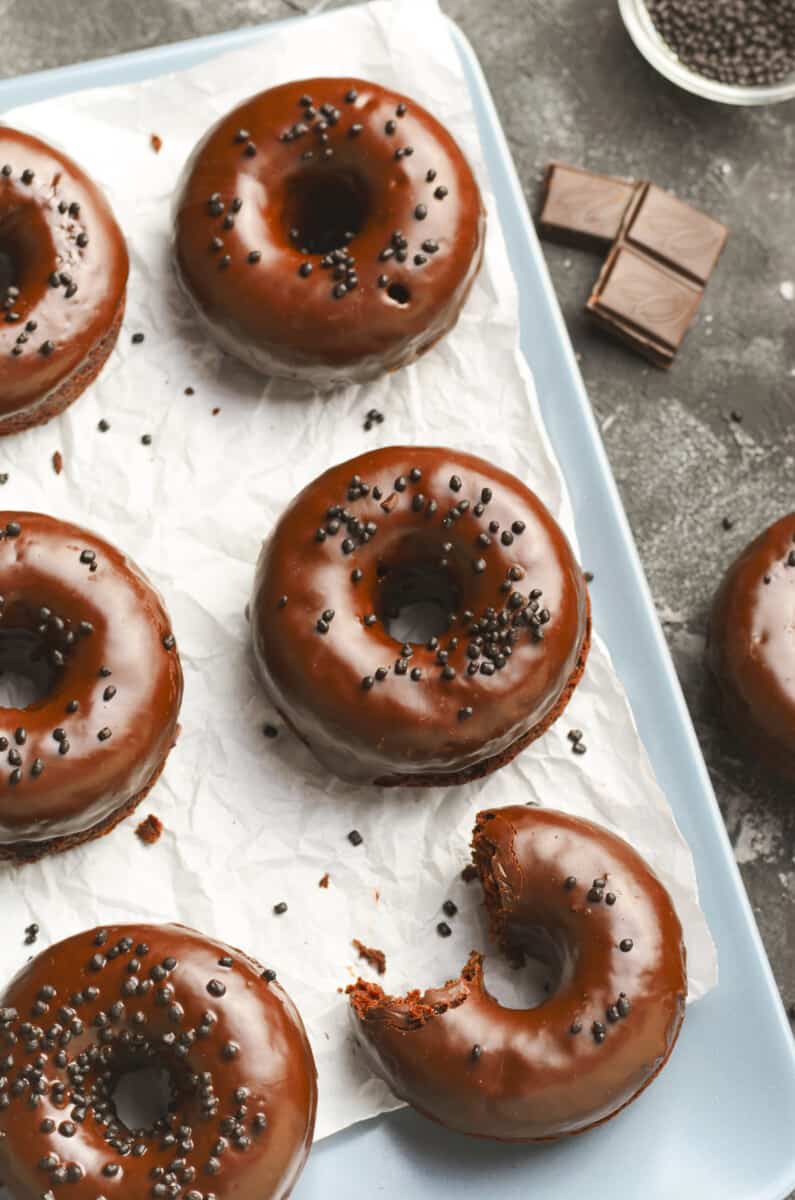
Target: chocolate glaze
120,672
400,728
245,1033
464,1060
751,646
38,241
268,314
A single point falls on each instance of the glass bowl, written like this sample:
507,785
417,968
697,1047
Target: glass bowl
643,33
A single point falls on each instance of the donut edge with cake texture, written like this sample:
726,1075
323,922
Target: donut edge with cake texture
94,1007
63,288
608,932
750,649
83,756
322,301
462,704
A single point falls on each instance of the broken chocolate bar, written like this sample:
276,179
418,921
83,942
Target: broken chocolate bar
651,284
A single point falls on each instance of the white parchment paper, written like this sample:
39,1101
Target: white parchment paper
252,821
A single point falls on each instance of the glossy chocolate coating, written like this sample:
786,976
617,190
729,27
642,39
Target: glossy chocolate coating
532,1077
168,1014
400,727
39,241
266,312
120,672
751,647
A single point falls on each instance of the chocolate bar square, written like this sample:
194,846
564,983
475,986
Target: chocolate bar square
644,303
676,233
581,208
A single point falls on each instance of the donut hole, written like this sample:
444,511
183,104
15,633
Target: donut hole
540,965
16,247
399,293
515,987
417,602
325,209
26,674
143,1097
8,268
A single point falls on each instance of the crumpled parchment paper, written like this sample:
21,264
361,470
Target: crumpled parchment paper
251,821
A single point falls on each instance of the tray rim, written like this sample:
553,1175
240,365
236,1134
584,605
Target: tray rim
149,62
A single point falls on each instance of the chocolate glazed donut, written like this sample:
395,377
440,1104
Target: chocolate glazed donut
329,230
751,646
63,281
582,900
89,630
104,1004
389,529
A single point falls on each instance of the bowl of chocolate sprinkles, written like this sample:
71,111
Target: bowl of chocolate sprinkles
731,51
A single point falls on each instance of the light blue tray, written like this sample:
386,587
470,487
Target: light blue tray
720,1122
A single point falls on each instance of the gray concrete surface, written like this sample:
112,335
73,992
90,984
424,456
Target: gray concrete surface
569,84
